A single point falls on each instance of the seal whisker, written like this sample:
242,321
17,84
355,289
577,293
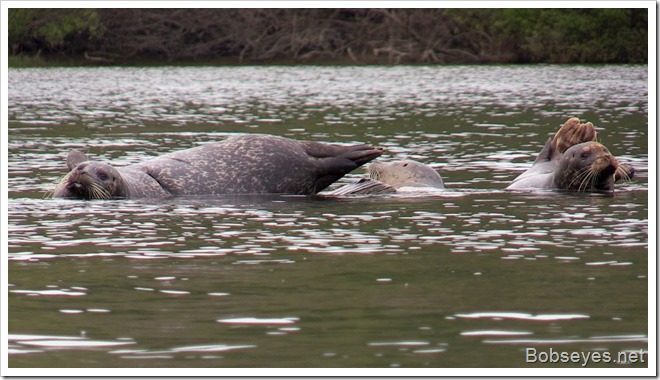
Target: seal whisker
578,177
589,181
623,174
59,186
373,173
98,192
592,178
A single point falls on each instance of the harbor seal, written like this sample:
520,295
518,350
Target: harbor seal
588,166
243,164
573,160
394,177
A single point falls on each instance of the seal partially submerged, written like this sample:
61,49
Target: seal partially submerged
573,160
587,166
243,164
393,177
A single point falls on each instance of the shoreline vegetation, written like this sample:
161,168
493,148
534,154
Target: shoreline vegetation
88,37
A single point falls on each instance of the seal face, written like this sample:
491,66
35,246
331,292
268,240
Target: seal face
91,180
573,160
244,164
406,173
586,167
394,177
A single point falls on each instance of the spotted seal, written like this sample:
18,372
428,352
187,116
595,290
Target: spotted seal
394,177
573,160
242,164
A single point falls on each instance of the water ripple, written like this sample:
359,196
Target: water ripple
377,266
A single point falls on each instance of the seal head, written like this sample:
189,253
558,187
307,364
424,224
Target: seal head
89,179
405,176
585,167
406,173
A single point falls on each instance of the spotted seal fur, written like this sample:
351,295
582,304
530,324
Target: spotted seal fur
242,164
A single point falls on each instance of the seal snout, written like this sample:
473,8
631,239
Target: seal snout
76,182
605,164
602,169
374,170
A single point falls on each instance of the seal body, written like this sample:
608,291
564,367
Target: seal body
394,177
243,164
573,160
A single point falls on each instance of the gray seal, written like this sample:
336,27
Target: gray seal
393,177
573,160
587,166
242,164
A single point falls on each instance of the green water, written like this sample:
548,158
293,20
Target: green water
469,278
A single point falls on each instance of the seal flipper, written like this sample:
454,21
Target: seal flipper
335,161
74,158
359,154
328,171
546,153
363,187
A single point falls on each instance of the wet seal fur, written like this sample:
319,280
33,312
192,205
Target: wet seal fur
573,160
393,177
243,164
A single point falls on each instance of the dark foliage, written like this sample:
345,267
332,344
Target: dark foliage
334,35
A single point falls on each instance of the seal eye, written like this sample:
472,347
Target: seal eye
103,177
585,154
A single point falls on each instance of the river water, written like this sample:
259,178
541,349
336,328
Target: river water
473,277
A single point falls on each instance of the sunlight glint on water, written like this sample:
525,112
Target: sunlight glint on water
468,277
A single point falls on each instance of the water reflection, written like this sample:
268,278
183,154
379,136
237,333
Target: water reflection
604,339
206,227
498,316
187,350
26,343
439,280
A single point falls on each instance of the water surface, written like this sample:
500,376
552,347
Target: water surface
467,278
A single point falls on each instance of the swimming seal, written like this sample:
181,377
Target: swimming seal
573,160
587,166
243,164
394,177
